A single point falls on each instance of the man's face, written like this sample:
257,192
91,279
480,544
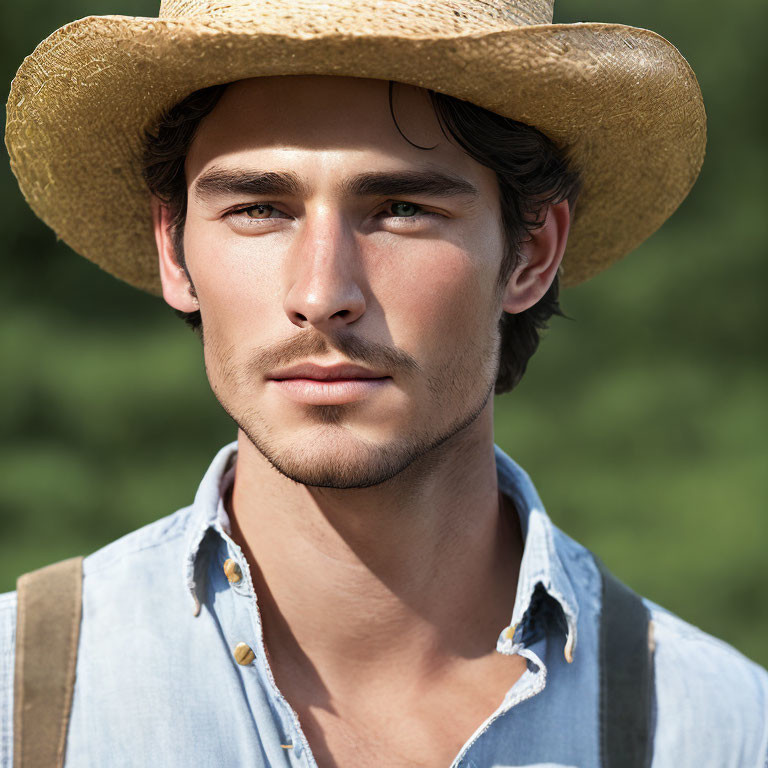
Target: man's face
315,233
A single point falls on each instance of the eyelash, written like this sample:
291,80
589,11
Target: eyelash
420,210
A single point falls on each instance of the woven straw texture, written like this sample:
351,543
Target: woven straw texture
623,100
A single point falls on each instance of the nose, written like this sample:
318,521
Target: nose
325,275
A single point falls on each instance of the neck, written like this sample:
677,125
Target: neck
413,574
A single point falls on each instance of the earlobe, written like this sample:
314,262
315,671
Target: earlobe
177,289
540,256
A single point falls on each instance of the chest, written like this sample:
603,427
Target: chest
137,704
428,731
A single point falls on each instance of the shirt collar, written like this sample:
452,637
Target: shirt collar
540,565
206,514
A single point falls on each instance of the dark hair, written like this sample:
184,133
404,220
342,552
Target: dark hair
532,172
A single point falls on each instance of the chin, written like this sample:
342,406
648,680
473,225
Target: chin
333,456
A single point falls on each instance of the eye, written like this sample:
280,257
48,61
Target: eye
256,218
404,210
258,211
402,216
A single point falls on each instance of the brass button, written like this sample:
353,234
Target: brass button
243,654
232,570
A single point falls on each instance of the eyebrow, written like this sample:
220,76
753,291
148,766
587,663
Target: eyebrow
394,183
217,182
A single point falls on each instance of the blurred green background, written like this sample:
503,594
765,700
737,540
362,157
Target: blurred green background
642,420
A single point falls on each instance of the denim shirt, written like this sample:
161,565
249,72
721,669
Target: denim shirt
158,684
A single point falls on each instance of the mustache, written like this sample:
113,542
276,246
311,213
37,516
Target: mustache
298,348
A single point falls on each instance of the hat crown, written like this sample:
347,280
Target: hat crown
367,16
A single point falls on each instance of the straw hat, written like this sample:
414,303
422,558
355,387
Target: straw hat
623,100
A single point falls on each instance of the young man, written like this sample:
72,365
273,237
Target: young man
364,579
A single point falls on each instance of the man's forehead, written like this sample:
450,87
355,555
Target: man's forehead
330,111
270,123
326,93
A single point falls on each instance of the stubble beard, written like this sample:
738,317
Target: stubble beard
333,456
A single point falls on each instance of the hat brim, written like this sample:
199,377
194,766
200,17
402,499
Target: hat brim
623,101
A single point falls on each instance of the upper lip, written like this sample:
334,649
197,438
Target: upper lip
324,373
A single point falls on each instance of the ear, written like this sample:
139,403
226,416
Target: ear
177,288
540,256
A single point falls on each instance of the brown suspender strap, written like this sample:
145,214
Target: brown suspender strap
47,633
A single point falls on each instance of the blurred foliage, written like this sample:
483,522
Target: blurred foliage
642,420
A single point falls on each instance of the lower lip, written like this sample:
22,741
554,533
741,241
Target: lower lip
335,392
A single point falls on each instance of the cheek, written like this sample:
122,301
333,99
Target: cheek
233,282
235,291
444,303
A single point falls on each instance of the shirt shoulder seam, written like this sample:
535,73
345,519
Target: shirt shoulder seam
102,559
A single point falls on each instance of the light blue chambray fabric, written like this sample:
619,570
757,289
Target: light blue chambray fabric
157,684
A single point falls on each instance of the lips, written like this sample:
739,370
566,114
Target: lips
312,384
341,372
